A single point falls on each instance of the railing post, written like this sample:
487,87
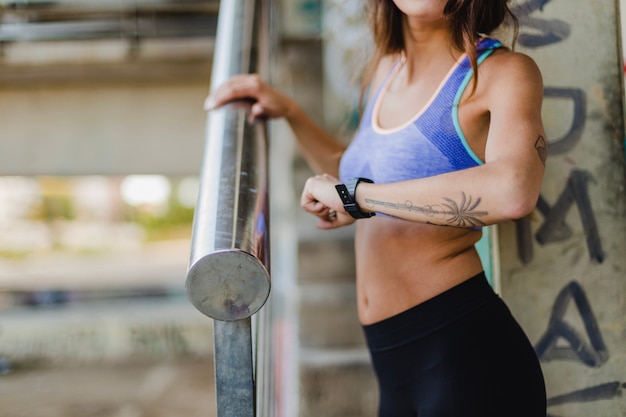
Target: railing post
234,378
228,278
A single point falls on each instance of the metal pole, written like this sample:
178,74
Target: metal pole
234,383
228,278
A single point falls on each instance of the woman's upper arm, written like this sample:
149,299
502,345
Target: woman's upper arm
516,146
516,135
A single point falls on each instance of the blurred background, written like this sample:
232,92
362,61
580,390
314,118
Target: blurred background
101,103
101,141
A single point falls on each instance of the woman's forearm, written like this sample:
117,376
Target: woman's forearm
475,197
321,150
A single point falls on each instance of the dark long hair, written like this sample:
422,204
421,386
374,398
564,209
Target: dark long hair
468,19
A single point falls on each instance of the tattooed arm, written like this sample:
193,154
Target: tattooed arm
506,187
474,197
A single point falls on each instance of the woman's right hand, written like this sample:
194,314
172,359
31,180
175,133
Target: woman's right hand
267,101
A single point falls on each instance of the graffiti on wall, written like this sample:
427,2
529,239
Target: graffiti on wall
562,341
588,349
554,228
538,32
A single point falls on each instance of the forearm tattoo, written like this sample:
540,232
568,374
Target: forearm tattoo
462,213
542,149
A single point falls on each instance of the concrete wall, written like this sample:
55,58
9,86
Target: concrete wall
110,128
563,269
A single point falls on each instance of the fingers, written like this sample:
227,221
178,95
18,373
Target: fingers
257,111
316,208
320,188
267,102
320,198
238,87
334,220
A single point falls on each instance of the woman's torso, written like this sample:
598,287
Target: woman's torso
400,263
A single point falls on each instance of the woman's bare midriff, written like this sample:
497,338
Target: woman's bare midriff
401,264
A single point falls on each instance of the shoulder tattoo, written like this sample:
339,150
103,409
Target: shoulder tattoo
542,149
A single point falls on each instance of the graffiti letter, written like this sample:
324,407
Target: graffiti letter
566,142
554,228
593,354
524,239
550,31
599,392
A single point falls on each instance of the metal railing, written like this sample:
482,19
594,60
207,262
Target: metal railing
228,277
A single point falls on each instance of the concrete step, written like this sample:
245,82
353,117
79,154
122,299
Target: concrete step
326,260
328,316
324,256
335,374
337,383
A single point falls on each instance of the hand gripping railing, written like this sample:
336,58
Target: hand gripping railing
228,278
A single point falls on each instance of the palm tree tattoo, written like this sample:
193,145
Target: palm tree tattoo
462,213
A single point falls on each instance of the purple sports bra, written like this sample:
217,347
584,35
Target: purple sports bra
431,143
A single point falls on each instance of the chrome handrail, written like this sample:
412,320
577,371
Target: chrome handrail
228,276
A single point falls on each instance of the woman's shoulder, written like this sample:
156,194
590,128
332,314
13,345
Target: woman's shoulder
509,77
508,66
505,60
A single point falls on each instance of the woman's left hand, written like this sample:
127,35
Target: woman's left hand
320,198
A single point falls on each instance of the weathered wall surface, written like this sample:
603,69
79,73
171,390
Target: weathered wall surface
563,270
102,128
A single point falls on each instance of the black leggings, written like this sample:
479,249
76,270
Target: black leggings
459,354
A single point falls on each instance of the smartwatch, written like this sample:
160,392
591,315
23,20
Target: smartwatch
347,193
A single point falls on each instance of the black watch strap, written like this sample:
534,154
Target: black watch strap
347,193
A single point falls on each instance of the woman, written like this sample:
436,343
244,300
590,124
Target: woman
451,136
